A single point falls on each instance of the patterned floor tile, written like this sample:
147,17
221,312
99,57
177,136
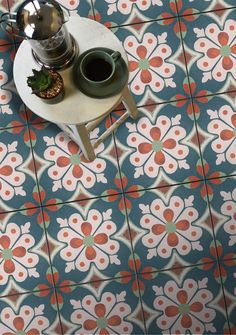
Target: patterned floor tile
89,240
160,148
223,207
28,314
156,61
66,175
101,308
12,111
228,268
117,12
184,301
186,7
23,252
17,171
171,227
210,47
216,124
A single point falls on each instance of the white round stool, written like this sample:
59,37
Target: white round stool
77,114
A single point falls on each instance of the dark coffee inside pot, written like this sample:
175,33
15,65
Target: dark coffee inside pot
98,69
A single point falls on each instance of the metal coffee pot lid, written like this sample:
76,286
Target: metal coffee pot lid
39,19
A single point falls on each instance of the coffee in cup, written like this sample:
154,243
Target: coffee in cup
98,67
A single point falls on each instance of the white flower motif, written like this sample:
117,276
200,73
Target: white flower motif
219,50
88,241
11,180
147,63
184,309
5,96
170,227
15,258
125,6
223,126
228,209
28,321
70,166
102,317
158,146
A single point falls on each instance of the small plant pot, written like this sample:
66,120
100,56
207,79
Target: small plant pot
55,92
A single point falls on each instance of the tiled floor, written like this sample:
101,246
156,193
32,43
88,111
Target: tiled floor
143,239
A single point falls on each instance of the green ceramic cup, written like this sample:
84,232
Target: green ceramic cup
97,68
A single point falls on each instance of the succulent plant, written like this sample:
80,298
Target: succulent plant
40,80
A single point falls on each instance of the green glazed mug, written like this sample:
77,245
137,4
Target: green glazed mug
97,68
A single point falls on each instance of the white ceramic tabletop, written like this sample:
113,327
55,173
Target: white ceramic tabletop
76,108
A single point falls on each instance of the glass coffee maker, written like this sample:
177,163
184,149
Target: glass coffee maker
42,23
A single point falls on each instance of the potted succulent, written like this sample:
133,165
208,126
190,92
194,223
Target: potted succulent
47,85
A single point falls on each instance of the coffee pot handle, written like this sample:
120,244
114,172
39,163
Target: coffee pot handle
8,20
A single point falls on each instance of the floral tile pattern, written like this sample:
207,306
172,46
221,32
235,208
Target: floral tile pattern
142,239
184,301
23,253
102,308
27,314
210,48
171,226
156,63
116,12
161,147
63,174
89,239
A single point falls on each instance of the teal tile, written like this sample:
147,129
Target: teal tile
23,252
159,148
29,314
209,42
113,13
184,301
171,227
17,171
90,239
63,172
102,308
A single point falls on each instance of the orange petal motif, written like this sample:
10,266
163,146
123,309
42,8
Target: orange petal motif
186,321
172,239
156,61
73,148
141,51
226,135
86,228
133,65
213,52
168,214
169,144
223,38
182,225
63,161
90,253
114,320
145,148
155,133
90,324
5,242
19,252
171,311
9,266
196,307
146,76
100,310
18,323
182,296
77,171
100,238
158,229
6,170
159,158
76,243
227,63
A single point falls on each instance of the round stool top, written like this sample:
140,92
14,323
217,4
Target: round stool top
76,107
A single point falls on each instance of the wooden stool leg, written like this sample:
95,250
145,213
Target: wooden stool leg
129,103
86,145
